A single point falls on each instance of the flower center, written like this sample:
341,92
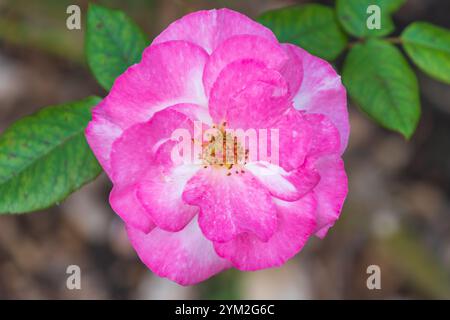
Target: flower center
223,149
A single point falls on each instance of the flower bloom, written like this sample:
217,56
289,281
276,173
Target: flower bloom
188,220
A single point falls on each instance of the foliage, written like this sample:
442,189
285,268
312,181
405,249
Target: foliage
376,74
44,157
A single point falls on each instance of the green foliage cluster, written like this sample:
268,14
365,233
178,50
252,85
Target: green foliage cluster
375,72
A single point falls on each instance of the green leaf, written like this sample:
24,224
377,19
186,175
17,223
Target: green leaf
313,27
428,46
113,43
44,157
382,83
352,14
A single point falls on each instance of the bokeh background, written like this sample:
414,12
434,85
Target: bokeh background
397,214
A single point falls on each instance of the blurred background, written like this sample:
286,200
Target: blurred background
396,216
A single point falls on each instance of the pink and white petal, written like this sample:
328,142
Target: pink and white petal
257,106
325,136
287,186
210,28
133,152
239,48
236,77
321,233
194,112
330,192
185,257
296,223
169,73
160,193
294,139
321,91
124,202
273,178
293,70
231,204
100,135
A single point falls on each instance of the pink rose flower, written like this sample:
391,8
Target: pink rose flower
189,220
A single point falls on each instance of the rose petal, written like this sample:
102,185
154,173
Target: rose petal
160,193
169,73
295,135
296,222
330,192
325,137
125,203
321,91
133,152
100,135
230,204
288,186
248,95
185,257
293,70
208,29
239,48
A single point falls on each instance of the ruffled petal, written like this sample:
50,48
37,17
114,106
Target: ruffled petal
194,112
133,152
160,193
239,48
248,95
293,70
125,203
210,28
100,135
231,204
185,257
288,186
169,73
144,156
325,137
294,139
302,135
321,91
296,222
330,192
